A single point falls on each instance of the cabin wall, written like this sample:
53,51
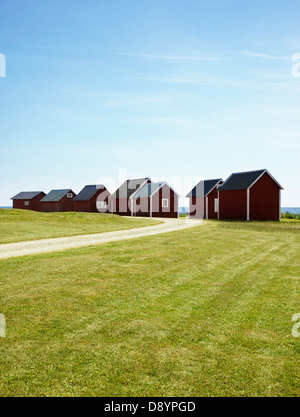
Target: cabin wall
51,207
64,205
157,208
90,206
102,196
82,206
197,208
122,206
265,200
233,205
142,207
20,205
34,204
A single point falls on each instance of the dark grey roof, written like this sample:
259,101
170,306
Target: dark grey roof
27,195
203,188
55,196
88,192
148,189
241,180
128,188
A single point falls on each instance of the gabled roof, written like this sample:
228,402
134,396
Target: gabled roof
56,195
203,188
129,187
149,189
88,192
244,180
27,195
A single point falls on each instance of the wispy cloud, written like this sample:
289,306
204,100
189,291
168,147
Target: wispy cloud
170,57
256,82
197,56
265,56
64,48
157,56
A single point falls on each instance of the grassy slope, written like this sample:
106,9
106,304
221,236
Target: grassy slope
19,225
206,311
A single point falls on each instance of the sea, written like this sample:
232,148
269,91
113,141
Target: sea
294,210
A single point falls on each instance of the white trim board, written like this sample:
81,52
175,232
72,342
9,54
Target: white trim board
248,204
280,205
266,172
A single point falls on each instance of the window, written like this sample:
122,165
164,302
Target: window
70,195
26,203
165,203
216,205
102,205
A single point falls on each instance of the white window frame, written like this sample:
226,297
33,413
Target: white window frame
102,205
165,203
26,203
70,195
216,205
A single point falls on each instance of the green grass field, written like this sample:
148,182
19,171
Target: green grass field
19,225
201,312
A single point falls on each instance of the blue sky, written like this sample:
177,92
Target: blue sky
175,90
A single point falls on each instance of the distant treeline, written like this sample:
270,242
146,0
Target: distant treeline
289,215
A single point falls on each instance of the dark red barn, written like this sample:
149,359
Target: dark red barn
121,201
92,199
156,200
58,201
204,199
252,195
28,200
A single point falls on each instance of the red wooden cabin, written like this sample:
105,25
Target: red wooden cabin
58,201
252,195
28,200
156,200
204,199
120,202
92,199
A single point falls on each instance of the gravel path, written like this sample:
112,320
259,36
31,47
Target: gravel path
12,250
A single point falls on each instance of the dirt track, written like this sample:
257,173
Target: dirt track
12,250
